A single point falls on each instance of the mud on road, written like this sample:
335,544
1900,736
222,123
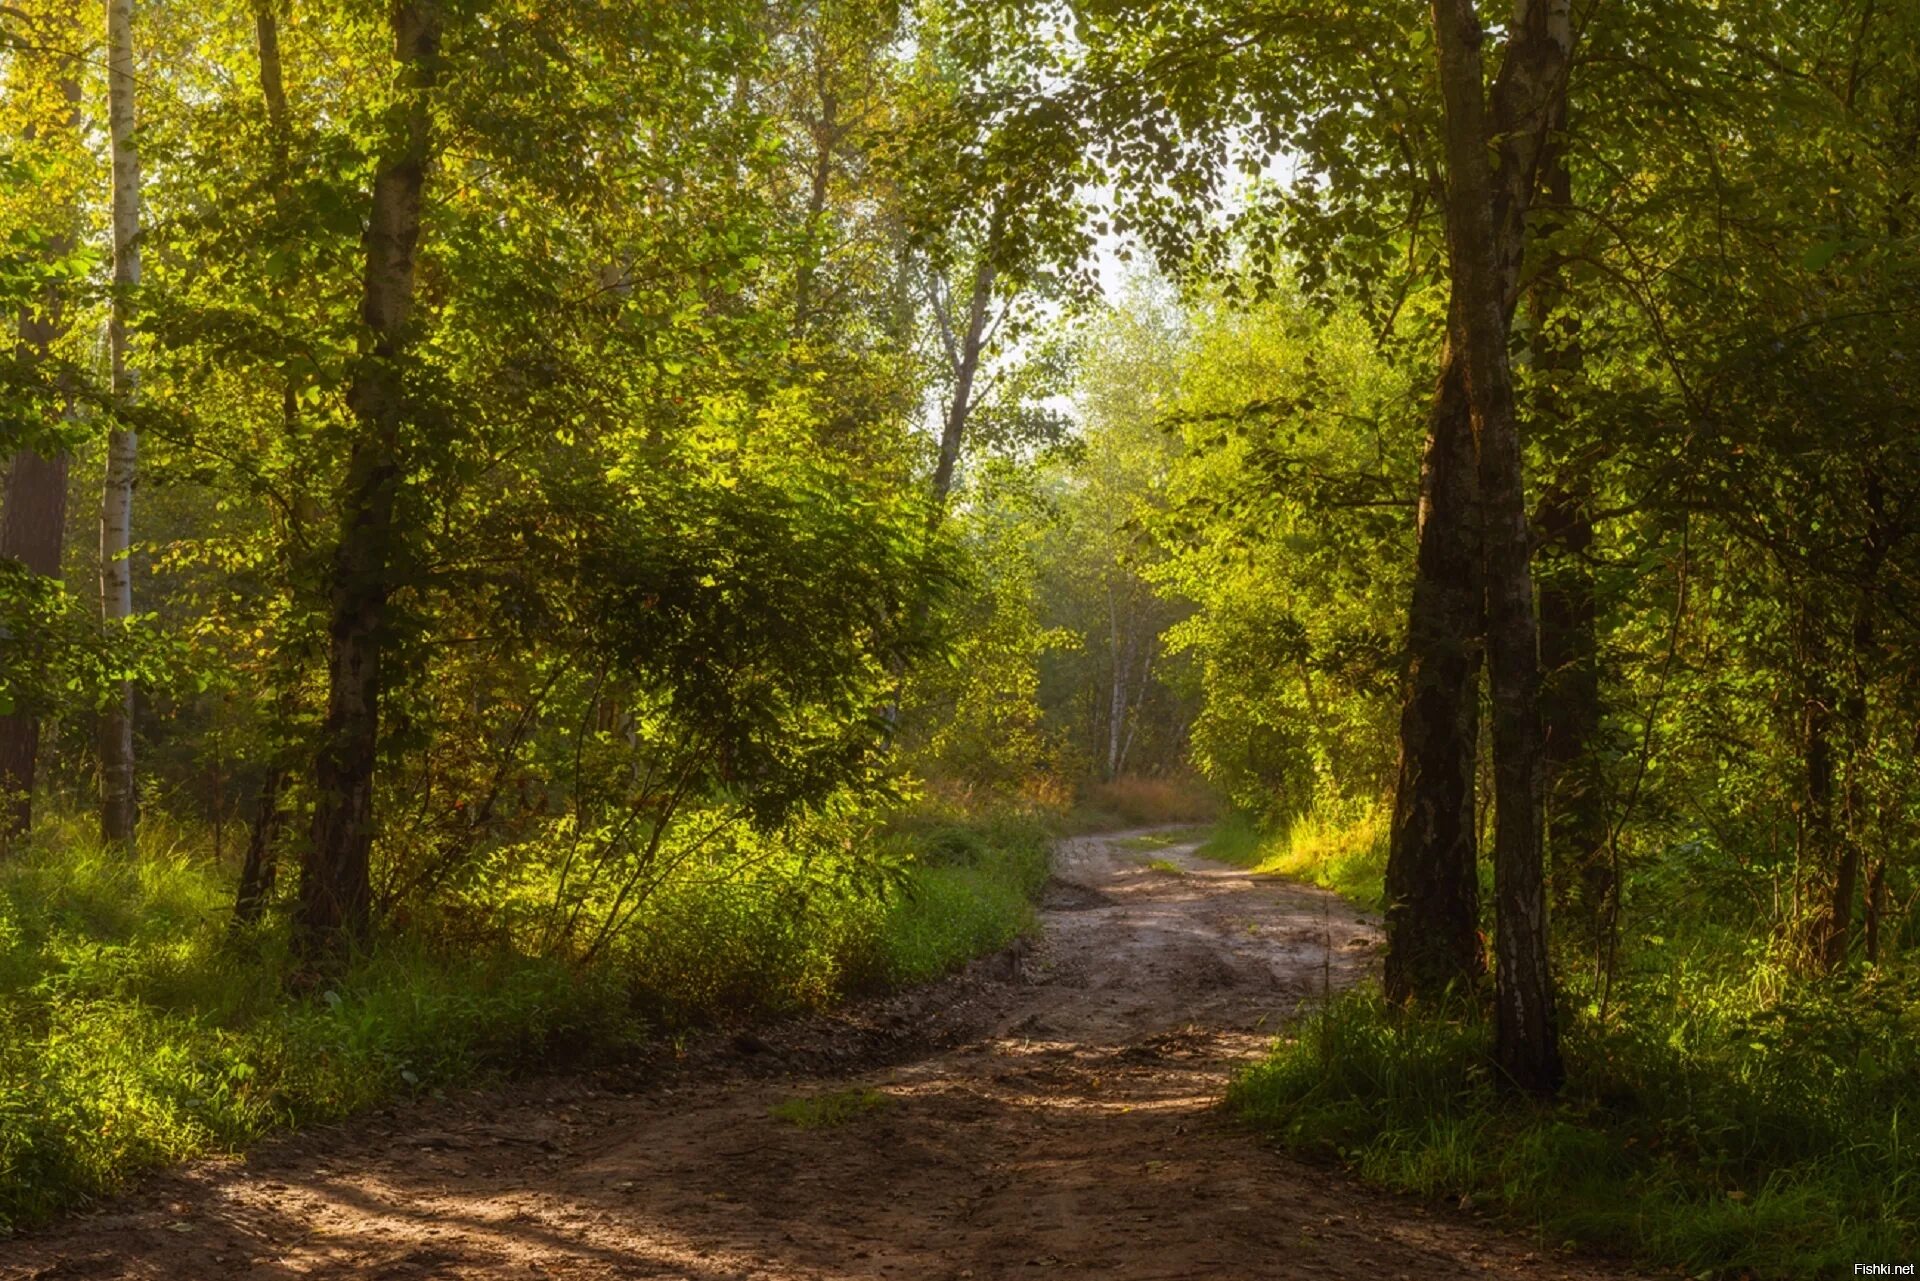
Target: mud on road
1053,1112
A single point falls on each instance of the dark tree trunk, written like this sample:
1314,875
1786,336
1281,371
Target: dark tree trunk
1569,644
1876,909
260,868
1432,886
32,529
1851,845
333,904
1817,837
1526,1031
1432,880
1570,704
33,525
964,349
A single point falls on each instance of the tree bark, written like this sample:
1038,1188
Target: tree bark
827,133
1569,640
1526,1032
1851,844
32,529
1432,885
963,356
118,805
332,909
1818,842
1117,691
33,509
1432,880
259,869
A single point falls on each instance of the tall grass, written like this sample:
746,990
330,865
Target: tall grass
1723,1117
137,1033
1135,801
1764,1144
1344,852
972,895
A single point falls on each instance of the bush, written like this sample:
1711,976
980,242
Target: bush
1766,1145
139,1033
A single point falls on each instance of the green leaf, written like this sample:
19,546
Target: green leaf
1822,254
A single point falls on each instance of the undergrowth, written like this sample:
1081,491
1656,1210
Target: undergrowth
1346,854
139,1034
1134,801
1773,1143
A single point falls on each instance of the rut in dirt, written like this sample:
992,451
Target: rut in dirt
1052,1112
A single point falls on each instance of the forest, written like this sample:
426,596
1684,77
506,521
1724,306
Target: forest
536,538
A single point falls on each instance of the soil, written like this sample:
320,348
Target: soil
1053,1110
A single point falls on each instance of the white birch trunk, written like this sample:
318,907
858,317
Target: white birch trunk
117,806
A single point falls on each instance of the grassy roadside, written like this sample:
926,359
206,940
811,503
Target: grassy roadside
1349,858
138,1035
1705,1128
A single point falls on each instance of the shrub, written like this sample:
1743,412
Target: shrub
139,1033
1767,1145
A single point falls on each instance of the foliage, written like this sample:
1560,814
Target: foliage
143,1032
1703,1134
1345,854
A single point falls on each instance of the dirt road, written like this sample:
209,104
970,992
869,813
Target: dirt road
1047,1114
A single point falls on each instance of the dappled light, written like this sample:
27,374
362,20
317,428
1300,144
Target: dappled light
959,639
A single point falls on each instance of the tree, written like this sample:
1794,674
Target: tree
118,799
1527,1036
33,507
335,886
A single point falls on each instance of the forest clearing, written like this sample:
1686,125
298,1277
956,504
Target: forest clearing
735,638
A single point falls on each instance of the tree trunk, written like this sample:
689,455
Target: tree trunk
1117,691
32,528
118,806
1850,847
33,512
827,133
334,896
1432,880
1818,843
1570,703
1876,909
1526,1033
963,355
259,869
1569,642
1432,886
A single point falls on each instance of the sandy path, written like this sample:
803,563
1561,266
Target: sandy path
1052,1114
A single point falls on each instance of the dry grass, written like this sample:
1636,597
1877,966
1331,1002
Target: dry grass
1132,801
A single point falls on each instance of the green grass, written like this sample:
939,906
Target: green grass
1165,868
1766,1146
825,1111
971,894
1346,855
137,1034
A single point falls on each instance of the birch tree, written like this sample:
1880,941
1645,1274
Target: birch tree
118,802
